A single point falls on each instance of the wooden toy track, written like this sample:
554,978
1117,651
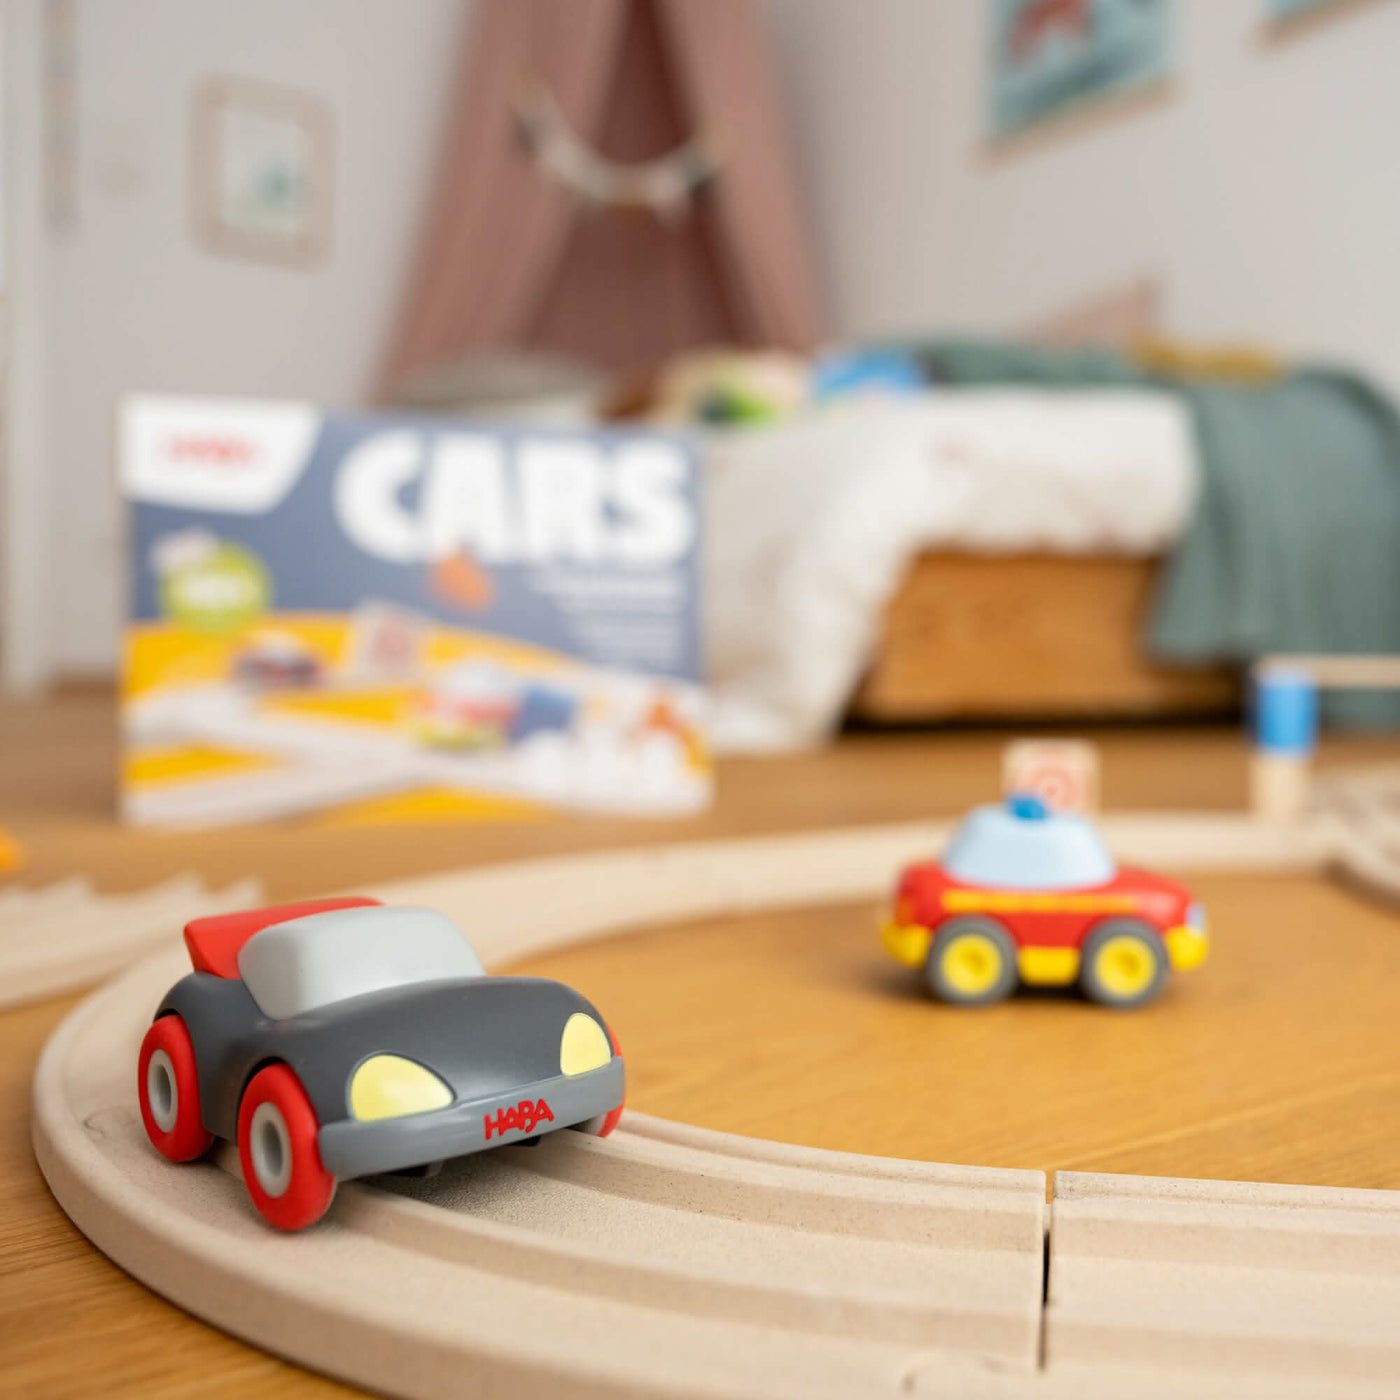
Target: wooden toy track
674,1261
1364,812
64,936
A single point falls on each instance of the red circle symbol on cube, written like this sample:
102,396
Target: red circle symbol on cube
1060,787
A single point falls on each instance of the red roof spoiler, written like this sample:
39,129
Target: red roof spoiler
214,942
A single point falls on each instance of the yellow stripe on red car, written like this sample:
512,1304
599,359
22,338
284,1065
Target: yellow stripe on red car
1005,902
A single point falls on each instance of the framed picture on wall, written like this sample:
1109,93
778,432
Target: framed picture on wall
1287,9
1282,13
261,167
1048,56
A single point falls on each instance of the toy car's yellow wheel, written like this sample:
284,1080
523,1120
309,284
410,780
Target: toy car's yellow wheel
1123,964
972,962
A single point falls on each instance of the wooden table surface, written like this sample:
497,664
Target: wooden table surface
1274,1062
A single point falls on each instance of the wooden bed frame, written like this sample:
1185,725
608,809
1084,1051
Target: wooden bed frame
1029,637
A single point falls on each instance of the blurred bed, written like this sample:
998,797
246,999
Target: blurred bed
964,553
958,642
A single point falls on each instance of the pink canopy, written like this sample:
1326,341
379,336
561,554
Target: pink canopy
511,257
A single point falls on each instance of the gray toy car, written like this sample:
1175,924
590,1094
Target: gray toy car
341,1038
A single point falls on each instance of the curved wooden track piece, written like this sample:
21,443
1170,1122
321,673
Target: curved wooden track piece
64,936
1253,1288
1364,808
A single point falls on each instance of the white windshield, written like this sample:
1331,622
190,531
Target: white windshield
315,961
995,847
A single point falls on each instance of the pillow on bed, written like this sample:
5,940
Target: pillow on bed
1119,317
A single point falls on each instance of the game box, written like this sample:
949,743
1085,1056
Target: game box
373,617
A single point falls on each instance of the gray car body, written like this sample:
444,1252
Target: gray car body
493,1040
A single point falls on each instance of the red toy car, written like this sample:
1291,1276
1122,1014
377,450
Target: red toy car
1028,896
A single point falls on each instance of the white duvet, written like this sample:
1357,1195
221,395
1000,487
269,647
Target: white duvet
812,524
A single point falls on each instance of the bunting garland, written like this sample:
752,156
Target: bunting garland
666,186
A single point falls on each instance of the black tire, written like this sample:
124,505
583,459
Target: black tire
941,974
1145,965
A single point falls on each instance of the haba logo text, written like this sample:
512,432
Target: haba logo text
523,1117
220,450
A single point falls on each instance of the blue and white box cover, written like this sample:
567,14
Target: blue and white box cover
387,618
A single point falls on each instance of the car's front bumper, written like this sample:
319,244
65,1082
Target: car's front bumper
351,1148
906,943
1187,946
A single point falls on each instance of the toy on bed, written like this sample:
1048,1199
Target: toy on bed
340,1038
1027,896
748,388
860,374
729,388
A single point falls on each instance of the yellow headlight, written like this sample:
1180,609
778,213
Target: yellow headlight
583,1046
388,1086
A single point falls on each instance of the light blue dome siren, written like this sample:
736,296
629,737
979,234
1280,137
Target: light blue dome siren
1006,847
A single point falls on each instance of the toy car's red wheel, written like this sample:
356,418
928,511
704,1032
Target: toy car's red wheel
610,1121
600,1125
277,1148
167,1088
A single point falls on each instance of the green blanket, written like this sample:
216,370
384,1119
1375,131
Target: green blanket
1294,544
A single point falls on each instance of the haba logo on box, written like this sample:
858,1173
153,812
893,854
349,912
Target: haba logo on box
221,449
241,458
536,499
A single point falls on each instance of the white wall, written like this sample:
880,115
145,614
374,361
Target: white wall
136,304
1265,188
26,614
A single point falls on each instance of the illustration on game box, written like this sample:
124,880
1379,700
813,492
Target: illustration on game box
365,618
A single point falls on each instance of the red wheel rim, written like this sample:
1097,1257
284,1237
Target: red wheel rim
167,1088
611,1120
277,1130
